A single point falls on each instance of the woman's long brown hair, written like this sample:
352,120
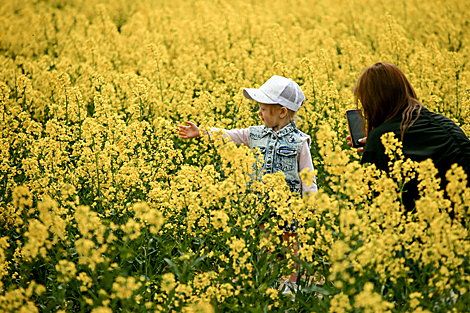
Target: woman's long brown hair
383,91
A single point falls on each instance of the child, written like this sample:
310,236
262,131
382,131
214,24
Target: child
284,147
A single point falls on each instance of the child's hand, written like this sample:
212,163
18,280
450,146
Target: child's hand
362,140
190,131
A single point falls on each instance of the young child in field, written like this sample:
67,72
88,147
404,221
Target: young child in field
285,148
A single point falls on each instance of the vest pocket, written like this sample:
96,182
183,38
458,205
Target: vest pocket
287,158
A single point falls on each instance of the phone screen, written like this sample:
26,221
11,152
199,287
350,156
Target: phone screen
356,127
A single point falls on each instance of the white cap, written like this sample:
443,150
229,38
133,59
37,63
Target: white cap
277,90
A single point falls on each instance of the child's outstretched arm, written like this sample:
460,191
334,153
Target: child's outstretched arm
190,131
238,136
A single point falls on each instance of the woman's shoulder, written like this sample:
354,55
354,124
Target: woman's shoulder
438,123
449,142
426,120
438,118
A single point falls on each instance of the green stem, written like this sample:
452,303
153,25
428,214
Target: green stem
79,118
66,108
97,173
160,82
457,72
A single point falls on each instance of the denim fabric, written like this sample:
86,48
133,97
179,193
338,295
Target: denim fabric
280,151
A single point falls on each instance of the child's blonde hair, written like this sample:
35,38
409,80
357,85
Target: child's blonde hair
291,115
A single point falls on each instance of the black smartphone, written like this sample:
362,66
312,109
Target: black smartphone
356,127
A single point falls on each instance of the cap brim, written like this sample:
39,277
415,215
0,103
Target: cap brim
257,95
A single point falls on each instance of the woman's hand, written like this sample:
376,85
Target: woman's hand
362,140
190,131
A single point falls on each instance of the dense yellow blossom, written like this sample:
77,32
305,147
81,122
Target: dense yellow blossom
66,270
104,208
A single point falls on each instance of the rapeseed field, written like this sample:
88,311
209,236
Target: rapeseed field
104,208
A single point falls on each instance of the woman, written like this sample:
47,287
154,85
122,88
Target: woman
389,104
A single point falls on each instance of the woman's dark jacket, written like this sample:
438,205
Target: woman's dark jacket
432,136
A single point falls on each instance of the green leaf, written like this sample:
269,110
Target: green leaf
174,267
315,288
198,260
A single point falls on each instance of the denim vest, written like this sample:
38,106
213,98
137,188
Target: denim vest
280,151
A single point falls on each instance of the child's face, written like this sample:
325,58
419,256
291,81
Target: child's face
270,115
